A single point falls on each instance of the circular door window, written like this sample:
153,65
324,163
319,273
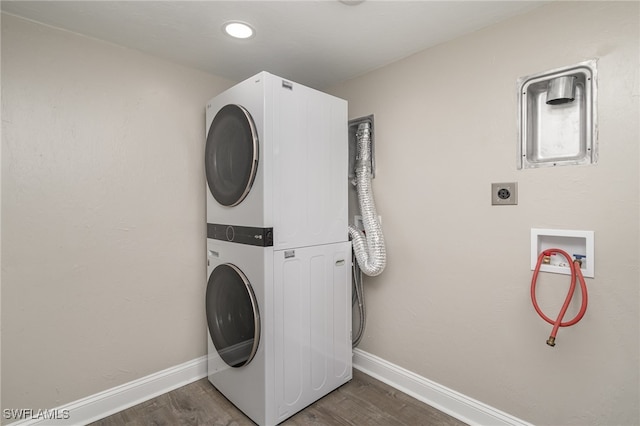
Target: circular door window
232,315
231,155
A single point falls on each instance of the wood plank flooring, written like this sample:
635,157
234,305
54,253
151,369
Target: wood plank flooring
362,401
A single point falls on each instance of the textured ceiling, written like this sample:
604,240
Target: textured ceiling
317,43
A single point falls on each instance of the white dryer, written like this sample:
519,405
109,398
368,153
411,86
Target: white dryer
279,325
276,162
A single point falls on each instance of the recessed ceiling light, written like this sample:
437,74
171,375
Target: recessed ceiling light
238,29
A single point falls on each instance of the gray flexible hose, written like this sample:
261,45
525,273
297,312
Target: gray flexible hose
358,303
370,249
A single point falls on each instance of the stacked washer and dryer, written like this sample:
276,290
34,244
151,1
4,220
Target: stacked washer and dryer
278,298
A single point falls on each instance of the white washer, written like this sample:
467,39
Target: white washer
279,325
276,158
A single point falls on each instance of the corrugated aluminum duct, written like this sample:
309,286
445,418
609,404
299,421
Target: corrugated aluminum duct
369,246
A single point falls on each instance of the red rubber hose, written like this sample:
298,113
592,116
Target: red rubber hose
575,272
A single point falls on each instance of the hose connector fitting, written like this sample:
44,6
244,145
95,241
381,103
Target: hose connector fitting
551,341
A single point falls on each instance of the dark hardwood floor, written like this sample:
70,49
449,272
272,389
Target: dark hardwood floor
362,401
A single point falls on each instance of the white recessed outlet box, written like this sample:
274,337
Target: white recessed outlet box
575,243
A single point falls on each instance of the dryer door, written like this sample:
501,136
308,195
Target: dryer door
232,315
231,155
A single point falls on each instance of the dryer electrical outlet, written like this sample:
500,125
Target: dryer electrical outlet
504,194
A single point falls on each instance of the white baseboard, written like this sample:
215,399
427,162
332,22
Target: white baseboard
455,404
111,401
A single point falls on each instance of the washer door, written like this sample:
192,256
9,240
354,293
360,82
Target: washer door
231,155
232,315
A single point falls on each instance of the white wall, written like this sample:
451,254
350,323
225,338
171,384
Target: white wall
103,222
453,304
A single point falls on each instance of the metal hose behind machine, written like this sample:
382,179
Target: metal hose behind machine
368,246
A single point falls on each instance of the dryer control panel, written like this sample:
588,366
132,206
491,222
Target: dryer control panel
250,235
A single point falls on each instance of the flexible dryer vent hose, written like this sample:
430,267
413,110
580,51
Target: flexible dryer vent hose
369,246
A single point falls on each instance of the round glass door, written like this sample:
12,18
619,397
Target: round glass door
231,155
232,315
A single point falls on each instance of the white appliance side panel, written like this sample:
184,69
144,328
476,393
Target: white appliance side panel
328,154
289,333
342,315
312,324
291,192
320,332
310,167
249,94
336,133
